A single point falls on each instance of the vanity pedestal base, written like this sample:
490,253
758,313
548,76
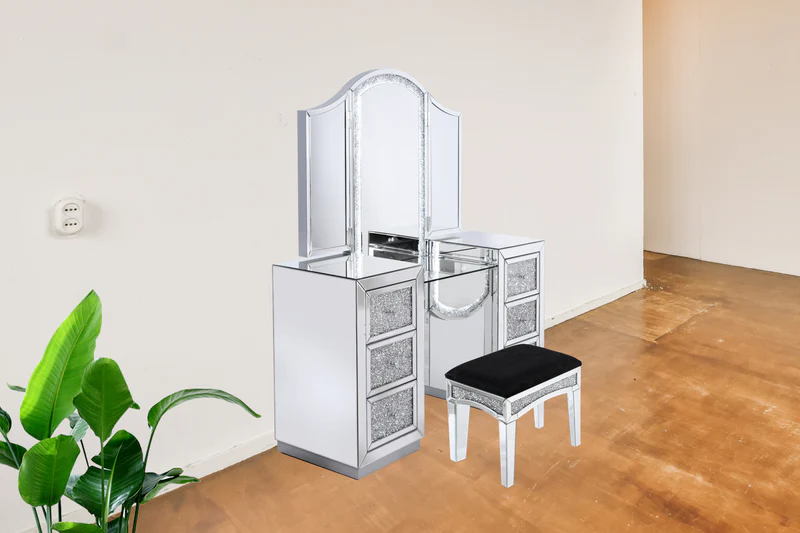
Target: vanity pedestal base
347,359
340,468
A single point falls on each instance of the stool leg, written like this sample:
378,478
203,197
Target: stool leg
508,444
538,415
458,421
574,403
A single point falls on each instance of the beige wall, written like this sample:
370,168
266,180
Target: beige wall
176,121
722,130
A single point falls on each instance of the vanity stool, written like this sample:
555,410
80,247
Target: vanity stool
507,384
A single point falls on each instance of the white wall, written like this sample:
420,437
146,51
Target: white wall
722,123
176,121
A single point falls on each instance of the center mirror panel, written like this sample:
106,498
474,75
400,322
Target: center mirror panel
389,156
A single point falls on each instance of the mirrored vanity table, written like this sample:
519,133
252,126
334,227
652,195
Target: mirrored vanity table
389,292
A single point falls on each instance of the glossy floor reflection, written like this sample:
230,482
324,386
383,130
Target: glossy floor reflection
691,422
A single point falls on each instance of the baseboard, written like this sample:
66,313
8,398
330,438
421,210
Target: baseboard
231,456
199,469
594,304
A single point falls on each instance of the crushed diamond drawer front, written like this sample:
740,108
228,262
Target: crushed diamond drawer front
391,362
390,311
521,320
391,414
522,276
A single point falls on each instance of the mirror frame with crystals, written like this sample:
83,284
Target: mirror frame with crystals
330,184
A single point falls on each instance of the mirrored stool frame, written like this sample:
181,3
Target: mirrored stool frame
460,398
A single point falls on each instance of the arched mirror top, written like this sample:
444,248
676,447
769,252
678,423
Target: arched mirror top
365,81
375,159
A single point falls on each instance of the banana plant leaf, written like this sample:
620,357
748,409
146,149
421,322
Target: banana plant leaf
80,430
86,491
45,470
73,527
173,400
6,457
124,474
16,388
5,422
57,378
151,479
73,479
162,485
117,526
172,472
79,427
104,397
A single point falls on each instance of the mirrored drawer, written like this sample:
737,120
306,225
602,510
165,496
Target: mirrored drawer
391,362
391,414
521,320
522,276
390,311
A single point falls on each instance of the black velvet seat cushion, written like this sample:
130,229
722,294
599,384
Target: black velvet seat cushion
513,370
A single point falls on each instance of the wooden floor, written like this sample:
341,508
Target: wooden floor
691,422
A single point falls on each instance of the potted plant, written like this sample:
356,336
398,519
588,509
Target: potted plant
69,383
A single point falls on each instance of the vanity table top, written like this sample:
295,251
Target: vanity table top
345,267
480,239
366,266
349,266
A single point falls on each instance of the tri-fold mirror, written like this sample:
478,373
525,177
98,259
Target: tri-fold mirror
381,156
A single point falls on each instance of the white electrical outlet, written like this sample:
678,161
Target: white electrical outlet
68,216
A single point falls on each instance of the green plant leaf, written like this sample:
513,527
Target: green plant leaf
124,474
162,485
57,378
117,526
104,397
78,427
125,464
5,422
16,388
45,470
86,491
5,454
73,479
151,479
73,527
80,430
174,400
